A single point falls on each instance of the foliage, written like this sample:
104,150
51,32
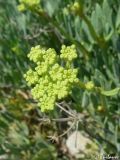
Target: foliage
93,26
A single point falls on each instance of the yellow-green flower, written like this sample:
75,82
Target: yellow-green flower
89,85
49,80
30,2
25,4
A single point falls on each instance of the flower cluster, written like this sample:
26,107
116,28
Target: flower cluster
89,85
76,8
68,53
30,2
50,80
27,3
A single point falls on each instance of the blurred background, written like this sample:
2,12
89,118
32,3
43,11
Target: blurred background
94,27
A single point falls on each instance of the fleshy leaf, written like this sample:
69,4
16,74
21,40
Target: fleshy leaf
112,92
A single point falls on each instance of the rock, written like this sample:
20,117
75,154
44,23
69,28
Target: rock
77,143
